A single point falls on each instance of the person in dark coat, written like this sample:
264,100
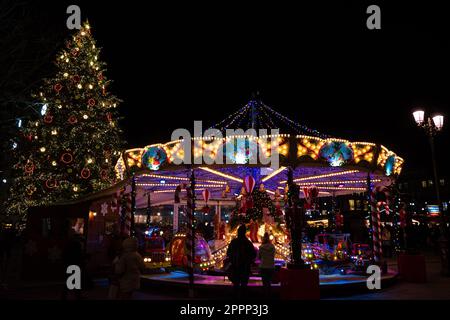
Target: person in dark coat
241,255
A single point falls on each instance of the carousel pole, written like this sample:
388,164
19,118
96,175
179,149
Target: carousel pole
149,209
294,217
331,216
190,235
369,211
133,205
396,219
375,222
123,211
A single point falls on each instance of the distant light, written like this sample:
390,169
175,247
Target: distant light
4,180
158,214
19,123
438,121
14,145
419,116
44,109
162,181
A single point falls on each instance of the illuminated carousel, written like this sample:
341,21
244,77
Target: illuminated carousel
233,172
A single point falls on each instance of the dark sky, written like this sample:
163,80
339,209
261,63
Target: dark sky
318,64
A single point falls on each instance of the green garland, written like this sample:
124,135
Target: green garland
261,200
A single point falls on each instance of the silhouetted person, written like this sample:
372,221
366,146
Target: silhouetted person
387,242
241,255
266,255
129,268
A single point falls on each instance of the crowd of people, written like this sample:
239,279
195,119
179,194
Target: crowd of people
241,254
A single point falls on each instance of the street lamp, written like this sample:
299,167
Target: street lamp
432,126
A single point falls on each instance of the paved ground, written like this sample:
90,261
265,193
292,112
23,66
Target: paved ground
437,287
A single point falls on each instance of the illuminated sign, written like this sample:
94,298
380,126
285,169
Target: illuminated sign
433,210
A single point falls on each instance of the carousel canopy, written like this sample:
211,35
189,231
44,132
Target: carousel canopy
221,162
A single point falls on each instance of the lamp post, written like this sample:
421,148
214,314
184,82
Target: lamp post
432,126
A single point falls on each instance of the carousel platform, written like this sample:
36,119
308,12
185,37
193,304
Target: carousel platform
218,286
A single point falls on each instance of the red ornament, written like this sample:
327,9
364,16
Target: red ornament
72,120
109,116
205,194
249,184
57,87
66,158
104,174
29,167
74,52
48,118
85,173
91,102
51,183
100,76
76,78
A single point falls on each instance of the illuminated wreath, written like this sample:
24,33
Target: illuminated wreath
104,174
85,173
48,119
51,183
58,87
29,167
66,158
72,120
91,102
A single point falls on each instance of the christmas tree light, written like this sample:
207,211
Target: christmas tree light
76,139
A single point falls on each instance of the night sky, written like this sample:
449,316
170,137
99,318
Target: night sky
317,64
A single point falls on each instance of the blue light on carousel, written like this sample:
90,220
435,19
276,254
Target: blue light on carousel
390,165
240,151
154,157
336,153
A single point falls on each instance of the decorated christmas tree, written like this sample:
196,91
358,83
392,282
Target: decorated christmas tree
71,150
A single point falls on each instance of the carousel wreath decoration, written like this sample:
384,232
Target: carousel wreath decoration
252,203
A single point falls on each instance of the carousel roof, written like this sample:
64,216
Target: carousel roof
335,166
257,115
